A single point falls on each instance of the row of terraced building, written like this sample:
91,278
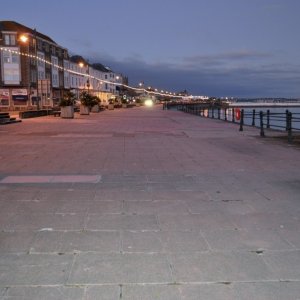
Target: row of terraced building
36,71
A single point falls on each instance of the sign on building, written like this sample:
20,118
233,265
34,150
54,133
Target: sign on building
4,97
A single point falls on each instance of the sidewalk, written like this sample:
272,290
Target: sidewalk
147,204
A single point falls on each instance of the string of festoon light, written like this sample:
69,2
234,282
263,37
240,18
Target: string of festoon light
165,94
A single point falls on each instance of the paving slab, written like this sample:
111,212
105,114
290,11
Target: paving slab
147,204
246,239
284,264
157,292
163,241
35,222
215,291
92,268
16,241
76,241
34,269
45,293
104,292
268,290
121,222
220,267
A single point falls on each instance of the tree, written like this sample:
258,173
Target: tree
88,100
68,99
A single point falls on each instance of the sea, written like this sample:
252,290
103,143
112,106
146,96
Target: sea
277,107
277,118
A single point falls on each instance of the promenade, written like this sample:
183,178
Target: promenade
147,204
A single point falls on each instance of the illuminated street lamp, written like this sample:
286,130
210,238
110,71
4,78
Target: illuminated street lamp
81,65
24,39
37,72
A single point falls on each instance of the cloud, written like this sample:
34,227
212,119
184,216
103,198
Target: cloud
236,74
80,42
223,59
229,56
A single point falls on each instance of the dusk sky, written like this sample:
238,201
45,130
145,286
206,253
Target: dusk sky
234,48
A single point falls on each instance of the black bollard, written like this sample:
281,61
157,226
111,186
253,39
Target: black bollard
242,120
253,117
261,117
286,119
290,137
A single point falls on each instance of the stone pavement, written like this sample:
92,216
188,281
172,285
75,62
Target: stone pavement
147,204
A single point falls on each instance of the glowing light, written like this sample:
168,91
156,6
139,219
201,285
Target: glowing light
23,38
149,103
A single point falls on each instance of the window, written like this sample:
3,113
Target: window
11,67
10,39
33,76
41,75
32,61
39,44
46,46
41,59
6,57
14,58
6,39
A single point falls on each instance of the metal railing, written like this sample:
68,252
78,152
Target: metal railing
286,121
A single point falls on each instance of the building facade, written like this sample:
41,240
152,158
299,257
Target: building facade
36,71
32,74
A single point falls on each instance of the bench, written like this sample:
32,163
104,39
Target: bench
56,113
33,113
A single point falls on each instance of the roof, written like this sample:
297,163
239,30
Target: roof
14,26
101,68
78,59
97,66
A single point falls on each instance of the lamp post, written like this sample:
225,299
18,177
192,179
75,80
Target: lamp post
24,39
88,79
117,85
37,71
81,64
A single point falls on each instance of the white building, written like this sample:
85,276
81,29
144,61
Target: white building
97,79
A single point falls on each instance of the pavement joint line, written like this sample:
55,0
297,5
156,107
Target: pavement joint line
51,179
170,283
